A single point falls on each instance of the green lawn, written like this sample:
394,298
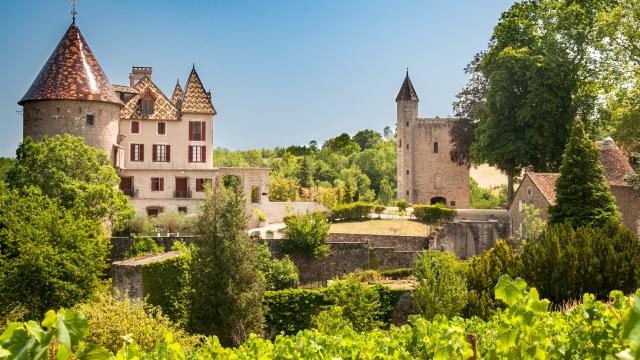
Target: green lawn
383,227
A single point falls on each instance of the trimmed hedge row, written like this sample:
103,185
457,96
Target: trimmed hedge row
166,285
292,310
438,213
353,211
398,273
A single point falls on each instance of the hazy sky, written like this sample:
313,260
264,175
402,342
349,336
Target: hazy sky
281,72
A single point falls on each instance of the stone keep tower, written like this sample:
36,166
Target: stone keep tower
72,95
425,172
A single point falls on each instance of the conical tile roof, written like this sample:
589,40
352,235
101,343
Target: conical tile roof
407,92
71,73
196,99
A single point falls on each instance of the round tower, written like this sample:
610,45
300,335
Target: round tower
72,95
407,106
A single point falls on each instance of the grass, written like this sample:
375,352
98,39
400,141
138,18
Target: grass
383,227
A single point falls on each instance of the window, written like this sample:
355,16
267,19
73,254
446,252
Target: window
400,143
153,211
529,191
435,147
197,130
197,154
135,127
157,184
90,119
182,209
146,104
407,146
255,194
137,152
407,172
161,153
202,183
407,123
407,192
162,128
453,204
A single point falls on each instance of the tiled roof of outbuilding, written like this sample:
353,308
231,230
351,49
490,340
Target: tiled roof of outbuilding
546,183
615,163
71,73
196,99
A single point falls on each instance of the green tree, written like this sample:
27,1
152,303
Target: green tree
306,234
387,194
306,172
227,287
360,303
282,188
367,139
50,256
6,164
441,285
77,175
583,195
278,274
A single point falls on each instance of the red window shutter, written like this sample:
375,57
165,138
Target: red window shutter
203,136
161,128
204,153
190,130
131,152
198,185
135,127
161,184
154,155
190,153
153,182
168,158
141,152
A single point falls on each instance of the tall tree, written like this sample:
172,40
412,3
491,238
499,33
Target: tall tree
227,287
583,195
367,139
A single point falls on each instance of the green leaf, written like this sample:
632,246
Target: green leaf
510,291
77,326
92,352
63,352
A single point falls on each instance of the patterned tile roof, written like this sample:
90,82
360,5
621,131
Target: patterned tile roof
124,89
196,99
71,73
407,92
163,107
177,95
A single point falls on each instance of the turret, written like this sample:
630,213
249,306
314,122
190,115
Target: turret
72,95
407,113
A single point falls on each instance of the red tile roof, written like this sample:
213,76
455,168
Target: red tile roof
71,73
196,99
546,183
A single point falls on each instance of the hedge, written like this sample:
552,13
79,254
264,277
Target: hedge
292,310
398,273
438,213
353,211
166,285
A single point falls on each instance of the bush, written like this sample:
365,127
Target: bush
110,319
438,213
398,273
291,310
566,262
143,245
402,205
482,198
353,211
482,273
441,288
171,222
166,285
379,209
360,303
140,224
306,234
277,273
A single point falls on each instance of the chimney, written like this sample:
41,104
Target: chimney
137,73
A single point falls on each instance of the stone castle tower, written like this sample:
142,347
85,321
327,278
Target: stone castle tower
425,172
72,95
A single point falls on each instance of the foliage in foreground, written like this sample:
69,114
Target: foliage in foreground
524,329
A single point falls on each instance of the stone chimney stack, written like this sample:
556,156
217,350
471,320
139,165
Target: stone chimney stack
137,73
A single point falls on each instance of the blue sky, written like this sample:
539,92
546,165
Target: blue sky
281,72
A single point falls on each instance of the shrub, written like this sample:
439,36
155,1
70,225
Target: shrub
110,319
402,205
306,234
171,221
277,273
566,262
140,224
353,211
482,198
291,310
398,273
441,288
438,213
143,245
332,321
379,209
261,216
360,303
482,273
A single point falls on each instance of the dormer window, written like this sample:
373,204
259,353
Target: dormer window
146,104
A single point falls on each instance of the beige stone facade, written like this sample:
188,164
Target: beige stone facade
425,172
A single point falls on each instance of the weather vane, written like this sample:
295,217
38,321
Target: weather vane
73,10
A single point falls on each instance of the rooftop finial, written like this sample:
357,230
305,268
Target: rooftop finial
73,10
193,68
178,81
407,71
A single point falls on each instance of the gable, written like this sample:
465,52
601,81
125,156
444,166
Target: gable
163,108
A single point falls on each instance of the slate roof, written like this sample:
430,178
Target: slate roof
407,92
71,73
164,109
196,99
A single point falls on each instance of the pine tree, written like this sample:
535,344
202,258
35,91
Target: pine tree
227,287
306,173
583,195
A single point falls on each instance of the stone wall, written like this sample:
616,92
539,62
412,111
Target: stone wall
127,275
467,238
629,206
397,242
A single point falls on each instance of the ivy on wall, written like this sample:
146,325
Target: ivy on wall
166,285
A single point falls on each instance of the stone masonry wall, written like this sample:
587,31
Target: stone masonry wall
396,242
127,275
467,238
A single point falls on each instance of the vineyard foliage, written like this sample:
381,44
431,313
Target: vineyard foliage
525,329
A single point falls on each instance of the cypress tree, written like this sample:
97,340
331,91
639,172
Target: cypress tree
227,287
583,194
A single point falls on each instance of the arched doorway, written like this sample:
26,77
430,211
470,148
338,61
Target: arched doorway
438,200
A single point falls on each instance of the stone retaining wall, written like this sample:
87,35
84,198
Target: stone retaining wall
398,242
126,275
